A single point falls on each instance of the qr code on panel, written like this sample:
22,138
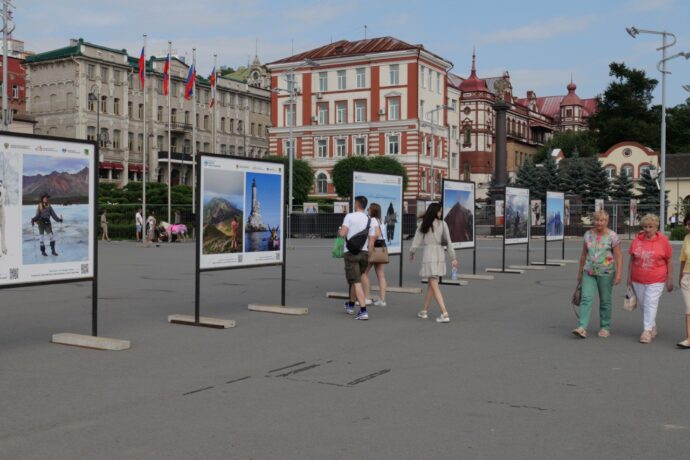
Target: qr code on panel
14,273
84,269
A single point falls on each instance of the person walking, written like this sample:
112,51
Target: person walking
649,271
356,231
376,234
601,267
433,234
104,226
684,281
139,224
44,212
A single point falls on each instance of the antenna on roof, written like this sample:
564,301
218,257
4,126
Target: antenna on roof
292,47
365,31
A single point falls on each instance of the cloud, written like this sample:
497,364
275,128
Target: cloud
547,29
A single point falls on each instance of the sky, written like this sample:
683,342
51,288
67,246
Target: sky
541,43
43,164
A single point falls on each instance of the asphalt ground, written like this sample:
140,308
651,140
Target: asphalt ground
504,379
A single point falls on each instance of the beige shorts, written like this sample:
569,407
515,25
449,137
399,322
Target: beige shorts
685,290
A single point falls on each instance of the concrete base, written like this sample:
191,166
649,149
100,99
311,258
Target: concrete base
449,281
204,321
549,264
345,295
401,290
89,341
527,267
507,270
471,276
563,261
280,309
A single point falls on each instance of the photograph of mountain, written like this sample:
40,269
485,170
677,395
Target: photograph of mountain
66,180
458,207
222,213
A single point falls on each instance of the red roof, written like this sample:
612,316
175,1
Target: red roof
454,80
551,105
347,48
571,98
473,83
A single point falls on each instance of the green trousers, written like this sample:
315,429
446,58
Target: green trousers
590,285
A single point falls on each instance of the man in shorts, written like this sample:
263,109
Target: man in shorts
139,224
355,264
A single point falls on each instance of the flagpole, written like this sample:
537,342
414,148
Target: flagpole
194,134
214,92
169,122
143,161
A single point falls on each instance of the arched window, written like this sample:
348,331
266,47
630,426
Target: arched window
467,135
321,183
610,171
627,170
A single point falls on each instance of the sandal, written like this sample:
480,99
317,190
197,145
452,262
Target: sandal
684,345
580,332
423,314
604,333
646,337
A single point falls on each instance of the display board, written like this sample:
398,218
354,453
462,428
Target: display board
458,212
555,212
341,207
310,208
241,210
47,210
598,205
499,207
387,191
517,215
536,212
633,218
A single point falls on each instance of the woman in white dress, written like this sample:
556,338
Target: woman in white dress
433,234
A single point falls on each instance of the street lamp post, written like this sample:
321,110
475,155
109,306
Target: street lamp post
661,66
430,114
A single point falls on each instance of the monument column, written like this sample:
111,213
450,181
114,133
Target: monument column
500,164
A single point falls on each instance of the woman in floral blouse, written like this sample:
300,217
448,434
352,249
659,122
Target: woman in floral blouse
601,267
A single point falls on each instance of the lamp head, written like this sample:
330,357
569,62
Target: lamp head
311,62
686,88
632,31
685,55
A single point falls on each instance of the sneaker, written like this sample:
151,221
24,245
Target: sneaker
349,308
380,303
646,337
443,319
423,314
363,315
367,302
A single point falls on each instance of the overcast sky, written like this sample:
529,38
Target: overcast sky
539,42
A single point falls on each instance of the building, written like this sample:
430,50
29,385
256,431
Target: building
77,90
377,97
629,158
16,94
678,184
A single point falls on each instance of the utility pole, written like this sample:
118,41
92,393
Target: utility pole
6,116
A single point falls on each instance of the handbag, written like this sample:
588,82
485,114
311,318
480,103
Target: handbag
379,253
338,250
630,301
576,299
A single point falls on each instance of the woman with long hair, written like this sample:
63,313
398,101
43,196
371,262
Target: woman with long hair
684,281
376,233
433,234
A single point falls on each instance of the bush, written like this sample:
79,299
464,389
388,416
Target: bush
678,233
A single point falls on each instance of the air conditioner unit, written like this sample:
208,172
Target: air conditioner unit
382,111
319,96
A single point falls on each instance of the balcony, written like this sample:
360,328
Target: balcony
180,127
175,157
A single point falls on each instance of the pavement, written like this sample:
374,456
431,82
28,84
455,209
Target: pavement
504,379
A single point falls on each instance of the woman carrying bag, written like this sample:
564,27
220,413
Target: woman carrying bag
378,254
601,266
433,234
684,281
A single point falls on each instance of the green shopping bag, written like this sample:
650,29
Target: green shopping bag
338,248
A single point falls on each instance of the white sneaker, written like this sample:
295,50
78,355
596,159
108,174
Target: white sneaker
380,303
423,314
443,319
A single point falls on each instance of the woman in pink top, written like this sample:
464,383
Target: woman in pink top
650,269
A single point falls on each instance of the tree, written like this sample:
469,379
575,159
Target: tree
574,180
303,178
549,179
387,165
623,111
527,175
599,186
342,173
678,128
583,142
649,190
622,188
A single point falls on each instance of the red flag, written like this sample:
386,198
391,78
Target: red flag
142,67
166,75
212,78
189,85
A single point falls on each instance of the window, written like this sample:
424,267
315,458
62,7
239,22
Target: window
421,109
231,126
645,168
173,115
159,143
222,124
15,91
340,147
568,113
361,77
342,83
260,130
130,109
116,76
92,105
438,82
421,76
322,148
321,183
116,106
104,74
360,145
341,112
116,138
454,160
91,71
130,142
393,108
104,104
323,81
467,136
206,122
91,133
394,74
453,132
251,129
393,144
360,111
289,115
140,142
186,117
627,170
323,113
611,172
223,149
423,181
159,113
430,72
103,140
454,105
289,151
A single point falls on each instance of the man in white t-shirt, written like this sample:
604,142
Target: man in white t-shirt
139,224
355,264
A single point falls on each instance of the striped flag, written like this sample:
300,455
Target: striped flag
142,67
189,85
212,78
166,75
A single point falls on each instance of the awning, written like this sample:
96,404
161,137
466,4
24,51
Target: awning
105,165
118,166
135,167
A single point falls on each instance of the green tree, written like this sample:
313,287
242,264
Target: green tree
623,111
387,165
303,178
583,142
549,179
599,186
574,177
527,175
622,188
678,128
649,190
342,173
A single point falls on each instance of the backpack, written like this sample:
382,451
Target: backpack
355,244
